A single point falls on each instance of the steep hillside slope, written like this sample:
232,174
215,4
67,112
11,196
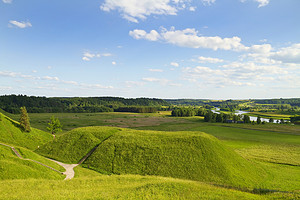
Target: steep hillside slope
10,133
12,167
72,146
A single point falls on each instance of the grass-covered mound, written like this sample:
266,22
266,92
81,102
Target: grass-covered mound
186,155
72,146
11,133
12,167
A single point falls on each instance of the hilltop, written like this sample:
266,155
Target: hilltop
186,155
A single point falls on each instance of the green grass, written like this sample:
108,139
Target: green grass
10,133
72,146
12,167
125,187
273,149
186,155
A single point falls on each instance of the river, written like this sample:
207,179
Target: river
240,112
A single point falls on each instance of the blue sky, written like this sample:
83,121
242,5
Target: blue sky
233,49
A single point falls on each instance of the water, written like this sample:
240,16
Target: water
252,118
240,112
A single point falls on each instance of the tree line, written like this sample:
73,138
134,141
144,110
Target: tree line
12,104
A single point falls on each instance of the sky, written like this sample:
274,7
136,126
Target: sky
201,49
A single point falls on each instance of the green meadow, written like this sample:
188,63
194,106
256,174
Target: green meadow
150,156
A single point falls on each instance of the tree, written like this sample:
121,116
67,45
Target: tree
24,120
208,116
258,120
54,125
271,120
246,119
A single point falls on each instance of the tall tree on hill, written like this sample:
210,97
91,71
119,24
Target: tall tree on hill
24,120
54,126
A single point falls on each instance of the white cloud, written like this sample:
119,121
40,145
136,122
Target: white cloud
134,10
189,38
237,74
87,56
50,78
20,24
192,8
7,1
262,2
202,59
156,70
8,74
56,82
113,63
289,54
174,64
262,49
208,2
141,34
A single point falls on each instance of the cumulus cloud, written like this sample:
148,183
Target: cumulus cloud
134,10
289,54
174,64
7,1
202,59
14,23
189,38
113,63
141,34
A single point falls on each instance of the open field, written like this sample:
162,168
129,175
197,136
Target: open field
272,148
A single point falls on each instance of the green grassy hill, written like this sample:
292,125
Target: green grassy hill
72,146
10,133
185,155
12,167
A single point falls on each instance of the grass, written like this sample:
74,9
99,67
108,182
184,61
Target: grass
12,167
270,115
11,133
186,155
273,148
125,187
72,146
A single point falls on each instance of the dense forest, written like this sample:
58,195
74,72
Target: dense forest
12,104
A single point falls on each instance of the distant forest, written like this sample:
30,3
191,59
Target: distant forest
33,104
12,104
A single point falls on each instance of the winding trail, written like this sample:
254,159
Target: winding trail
19,156
68,167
